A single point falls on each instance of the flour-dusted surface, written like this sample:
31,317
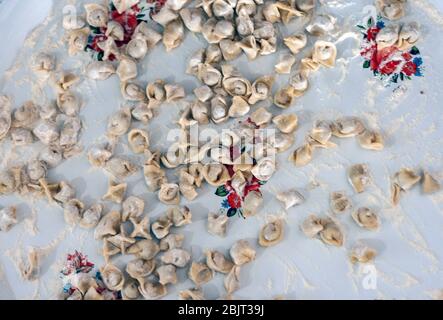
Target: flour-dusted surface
410,241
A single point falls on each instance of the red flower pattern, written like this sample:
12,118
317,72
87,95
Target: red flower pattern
234,200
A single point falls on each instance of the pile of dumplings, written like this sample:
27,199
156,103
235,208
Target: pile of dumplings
230,28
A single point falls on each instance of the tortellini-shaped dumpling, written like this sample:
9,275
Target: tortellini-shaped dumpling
391,9
271,234
242,252
96,15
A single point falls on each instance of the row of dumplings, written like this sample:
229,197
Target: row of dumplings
345,127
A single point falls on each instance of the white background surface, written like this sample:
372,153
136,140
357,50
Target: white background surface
410,242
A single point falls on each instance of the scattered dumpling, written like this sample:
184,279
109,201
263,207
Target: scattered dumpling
73,211
331,233
430,184
112,277
141,228
180,216
167,274
132,207
286,123
242,252
191,294
152,290
252,203
324,53
97,15
340,203
139,268
371,140
116,192
391,9
409,36
200,273
100,70
216,174
138,140
132,92
312,226
285,64
271,234
172,241
362,254
296,42
178,257
91,216
120,168
108,225
146,249
290,198
232,280
218,262
359,177
302,156
406,178
169,194
173,34
366,218
347,127
161,227
217,224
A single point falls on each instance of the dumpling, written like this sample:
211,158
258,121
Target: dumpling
362,254
261,89
21,137
200,273
366,218
218,262
340,203
193,19
302,156
312,226
108,225
98,156
271,234
331,233
217,224
406,178
169,194
172,241
177,257
173,34
127,69
146,249
167,274
180,216
140,269
46,131
324,53
239,107
219,109
96,15
77,41
130,290
65,192
132,92
112,277
120,168
232,280
296,42
132,207
141,228
137,48
69,104
359,177
242,252
391,9
143,31
152,290
43,64
100,70
161,227
91,216
142,112
290,198
285,63
430,184
8,218
216,174
347,127
252,203
155,177
371,140
156,93
284,97
321,25
123,5
191,294
138,140
187,185
73,211
286,123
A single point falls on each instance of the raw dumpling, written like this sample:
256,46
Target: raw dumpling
290,198
340,203
200,273
359,177
217,224
366,218
271,234
218,262
242,252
